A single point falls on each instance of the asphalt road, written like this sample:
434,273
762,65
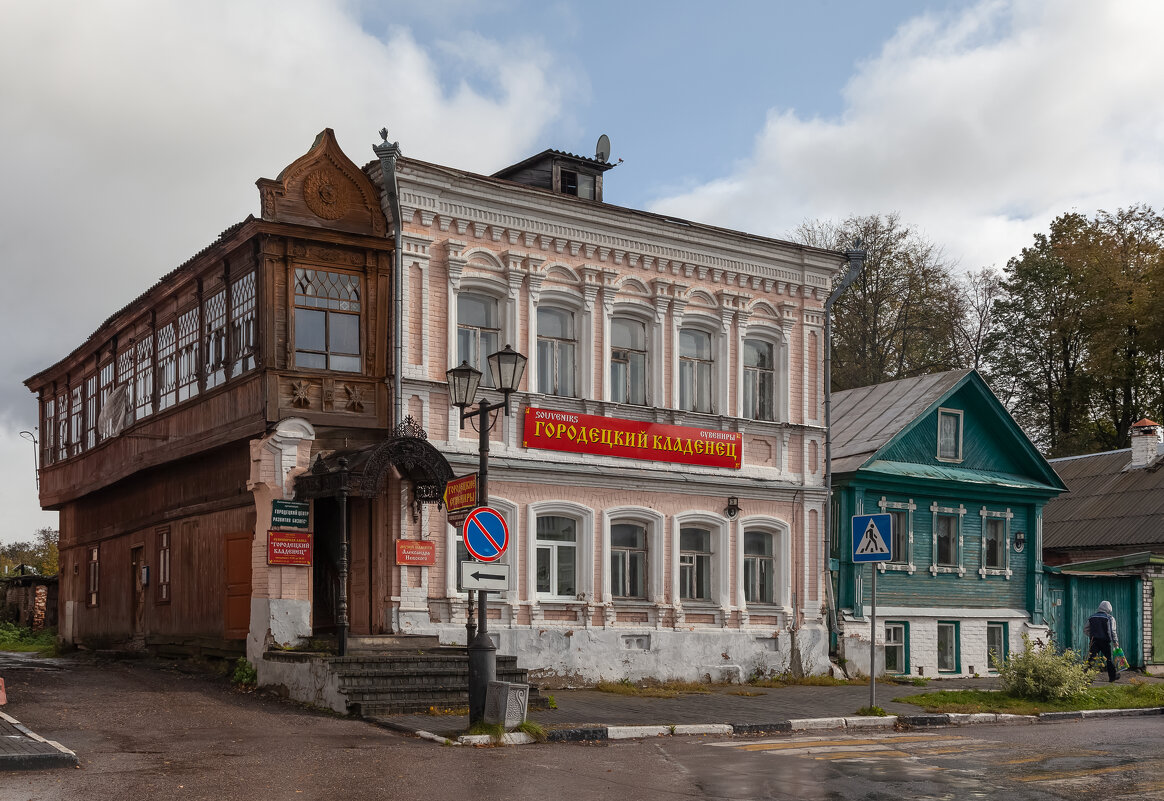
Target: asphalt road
144,732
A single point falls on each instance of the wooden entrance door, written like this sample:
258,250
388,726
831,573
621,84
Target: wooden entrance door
135,564
237,604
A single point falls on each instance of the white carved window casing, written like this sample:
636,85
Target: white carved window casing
949,435
478,332
628,361
902,514
557,346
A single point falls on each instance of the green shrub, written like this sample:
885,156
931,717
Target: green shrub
1043,674
872,711
24,639
244,674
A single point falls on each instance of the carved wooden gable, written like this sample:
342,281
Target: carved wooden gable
323,188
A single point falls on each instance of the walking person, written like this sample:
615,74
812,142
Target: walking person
1101,628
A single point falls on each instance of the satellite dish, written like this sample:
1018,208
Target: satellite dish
602,152
115,413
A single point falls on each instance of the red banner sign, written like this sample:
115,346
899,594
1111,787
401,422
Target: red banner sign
289,547
461,494
416,552
631,439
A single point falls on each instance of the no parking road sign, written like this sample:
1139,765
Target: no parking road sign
873,538
486,534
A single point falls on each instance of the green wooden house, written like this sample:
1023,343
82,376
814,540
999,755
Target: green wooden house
966,490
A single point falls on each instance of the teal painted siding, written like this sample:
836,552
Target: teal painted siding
985,444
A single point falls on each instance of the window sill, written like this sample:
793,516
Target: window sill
902,567
949,569
994,571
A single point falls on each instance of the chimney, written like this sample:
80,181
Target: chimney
1145,442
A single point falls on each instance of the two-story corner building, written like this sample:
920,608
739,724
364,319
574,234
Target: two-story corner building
965,489
661,472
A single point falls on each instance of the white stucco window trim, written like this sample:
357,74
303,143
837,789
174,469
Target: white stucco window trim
557,297
656,540
774,336
781,533
584,556
719,526
645,313
709,324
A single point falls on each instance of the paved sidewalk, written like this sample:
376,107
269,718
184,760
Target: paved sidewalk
592,715
23,749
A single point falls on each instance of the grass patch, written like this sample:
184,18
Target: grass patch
872,711
25,640
822,680
494,730
745,693
665,689
534,730
1135,695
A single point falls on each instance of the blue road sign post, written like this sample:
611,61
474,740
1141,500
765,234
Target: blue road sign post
872,542
486,534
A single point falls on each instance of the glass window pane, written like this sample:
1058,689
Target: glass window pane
948,436
465,350
348,364
947,658
566,585
545,367
757,354
543,570
625,333
695,539
628,535
637,389
703,577
585,186
637,587
618,573
565,373
618,382
555,323
343,333
310,330
758,543
694,344
313,360
476,310
556,529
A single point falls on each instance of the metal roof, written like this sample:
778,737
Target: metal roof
949,473
1106,504
866,418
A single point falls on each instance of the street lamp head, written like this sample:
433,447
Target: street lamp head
463,383
507,367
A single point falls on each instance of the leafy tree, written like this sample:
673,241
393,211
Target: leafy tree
901,317
40,554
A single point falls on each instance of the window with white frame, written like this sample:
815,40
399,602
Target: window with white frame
947,540
759,567
993,543
759,393
948,655
695,564
628,560
896,660
557,556
478,332
995,644
557,344
628,361
694,370
949,435
327,320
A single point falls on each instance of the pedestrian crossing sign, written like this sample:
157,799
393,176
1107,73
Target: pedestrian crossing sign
873,538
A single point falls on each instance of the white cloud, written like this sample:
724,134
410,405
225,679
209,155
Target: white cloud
134,132
978,127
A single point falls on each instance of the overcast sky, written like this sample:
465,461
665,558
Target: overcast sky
133,132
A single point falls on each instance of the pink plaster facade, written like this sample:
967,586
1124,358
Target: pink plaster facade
524,249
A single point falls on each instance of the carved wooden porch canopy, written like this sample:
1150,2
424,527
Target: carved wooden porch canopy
364,471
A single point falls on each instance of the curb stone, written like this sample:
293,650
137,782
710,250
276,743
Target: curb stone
36,758
595,733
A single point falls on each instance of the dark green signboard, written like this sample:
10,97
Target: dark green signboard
290,514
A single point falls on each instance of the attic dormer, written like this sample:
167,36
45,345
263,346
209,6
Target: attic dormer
561,173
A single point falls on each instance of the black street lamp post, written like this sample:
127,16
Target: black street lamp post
507,367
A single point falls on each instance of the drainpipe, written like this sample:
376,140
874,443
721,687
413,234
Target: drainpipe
856,259
388,152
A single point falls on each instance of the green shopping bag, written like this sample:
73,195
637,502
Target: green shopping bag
1121,661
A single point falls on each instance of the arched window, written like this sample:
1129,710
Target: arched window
759,567
557,344
628,560
628,361
759,390
557,556
478,332
695,564
694,370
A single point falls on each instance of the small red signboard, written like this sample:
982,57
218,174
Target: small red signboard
416,552
289,548
460,498
631,439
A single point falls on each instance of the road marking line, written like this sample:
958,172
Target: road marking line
772,745
857,755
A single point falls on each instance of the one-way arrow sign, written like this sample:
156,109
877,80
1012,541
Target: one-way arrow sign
493,577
